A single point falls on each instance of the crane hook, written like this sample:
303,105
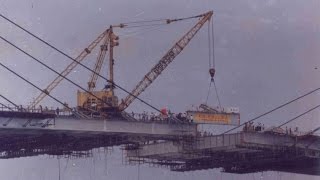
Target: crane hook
212,71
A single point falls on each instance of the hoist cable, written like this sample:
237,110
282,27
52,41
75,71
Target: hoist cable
212,60
209,44
213,48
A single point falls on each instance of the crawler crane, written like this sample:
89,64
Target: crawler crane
105,102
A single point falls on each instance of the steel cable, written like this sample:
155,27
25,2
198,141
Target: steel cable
218,98
69,57
29,82
157,20
9,101
302,114
272,110
56,72
209,44
208,92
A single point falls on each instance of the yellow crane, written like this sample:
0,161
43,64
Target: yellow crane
105,100
67,70
81,57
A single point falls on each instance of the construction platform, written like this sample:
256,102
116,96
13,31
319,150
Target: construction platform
243,152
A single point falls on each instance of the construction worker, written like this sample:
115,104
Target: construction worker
245,128
191,118
57,110
147,116
179,116
152,116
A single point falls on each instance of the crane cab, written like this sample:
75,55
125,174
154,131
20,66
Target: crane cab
93,103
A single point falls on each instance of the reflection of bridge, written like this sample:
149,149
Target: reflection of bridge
164,143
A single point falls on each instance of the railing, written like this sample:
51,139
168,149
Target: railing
143,117
40,109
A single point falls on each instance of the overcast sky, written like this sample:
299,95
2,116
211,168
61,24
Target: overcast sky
267,53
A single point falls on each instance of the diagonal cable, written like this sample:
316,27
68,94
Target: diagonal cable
69,57
40,62
302,114
272,110
9,101
29,82
3,105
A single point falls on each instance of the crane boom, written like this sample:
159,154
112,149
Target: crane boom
67,70
165,61
98,65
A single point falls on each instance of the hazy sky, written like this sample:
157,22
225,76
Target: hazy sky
267,52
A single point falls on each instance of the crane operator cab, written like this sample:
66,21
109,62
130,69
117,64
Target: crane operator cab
103,101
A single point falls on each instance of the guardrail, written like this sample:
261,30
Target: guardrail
40,109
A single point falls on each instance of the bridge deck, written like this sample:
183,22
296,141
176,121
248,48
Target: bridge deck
29,136
237,153
91,126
